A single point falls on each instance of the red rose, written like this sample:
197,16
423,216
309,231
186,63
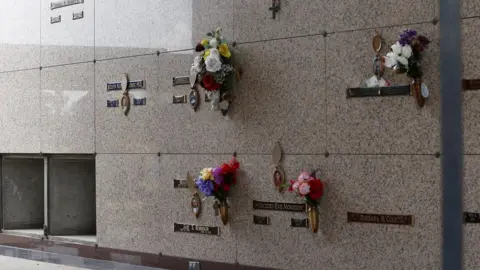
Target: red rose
316,189
290,188
199,48
226,187
209,83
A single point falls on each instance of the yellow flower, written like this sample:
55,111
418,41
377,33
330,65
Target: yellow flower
206,54
204,42
223,49
206,174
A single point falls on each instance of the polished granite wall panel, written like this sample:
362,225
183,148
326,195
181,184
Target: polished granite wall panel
282,96
377,125
368,184
210,14
471,232
69,41
471,68
137,206
20,107
138,131
253,19
186,131
470,8
354,15
19,34
67,95
131,27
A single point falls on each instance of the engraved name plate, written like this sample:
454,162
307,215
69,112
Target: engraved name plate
469,217
261,220
180,99
177,227
471,84
55,19
180,183
77,15
279,206
140,101
64,3
396,90
116,86
299,223
112,103
181,80
380,219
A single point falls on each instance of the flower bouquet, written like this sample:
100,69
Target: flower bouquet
405,57
214,70
311,189
216,182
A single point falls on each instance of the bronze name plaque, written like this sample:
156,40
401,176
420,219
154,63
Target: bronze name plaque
278,206
177,227
261,220
469,217
180,183
381,219
471,84
299,223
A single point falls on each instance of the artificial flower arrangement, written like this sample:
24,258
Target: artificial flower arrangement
405,57
312,190
214,70
217,182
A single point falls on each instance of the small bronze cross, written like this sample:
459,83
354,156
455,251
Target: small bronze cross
275,8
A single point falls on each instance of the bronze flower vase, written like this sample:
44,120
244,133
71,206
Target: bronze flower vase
312,217
224,212
416,91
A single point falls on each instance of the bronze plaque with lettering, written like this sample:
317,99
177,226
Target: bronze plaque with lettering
180,183
299,223
261,220
469,217
177,227
381,219
279,206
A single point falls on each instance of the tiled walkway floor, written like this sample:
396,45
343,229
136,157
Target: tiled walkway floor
10,263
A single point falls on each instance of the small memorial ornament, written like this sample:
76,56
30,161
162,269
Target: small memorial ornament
217,182
312,190
215,71
405,57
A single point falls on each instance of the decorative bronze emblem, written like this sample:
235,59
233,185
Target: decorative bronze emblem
125,101
278,174
381,219
194,99
196,203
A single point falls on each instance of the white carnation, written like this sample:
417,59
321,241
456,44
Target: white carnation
213,63
407,51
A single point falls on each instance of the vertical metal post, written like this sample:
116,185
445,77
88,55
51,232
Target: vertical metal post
45,191
452,143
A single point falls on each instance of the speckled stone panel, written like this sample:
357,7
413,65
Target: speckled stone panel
69,41
20,107
129,27
471,201
137,132
210,14
470,8
379,124
354,15
137,206
68,109
471,103
19,34
186,131
254,22
282,96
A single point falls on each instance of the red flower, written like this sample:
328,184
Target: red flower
226,169
199,48
290,188
316,189
209,83
234,163
226,187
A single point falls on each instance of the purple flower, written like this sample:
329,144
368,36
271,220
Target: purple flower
205,186
217,175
